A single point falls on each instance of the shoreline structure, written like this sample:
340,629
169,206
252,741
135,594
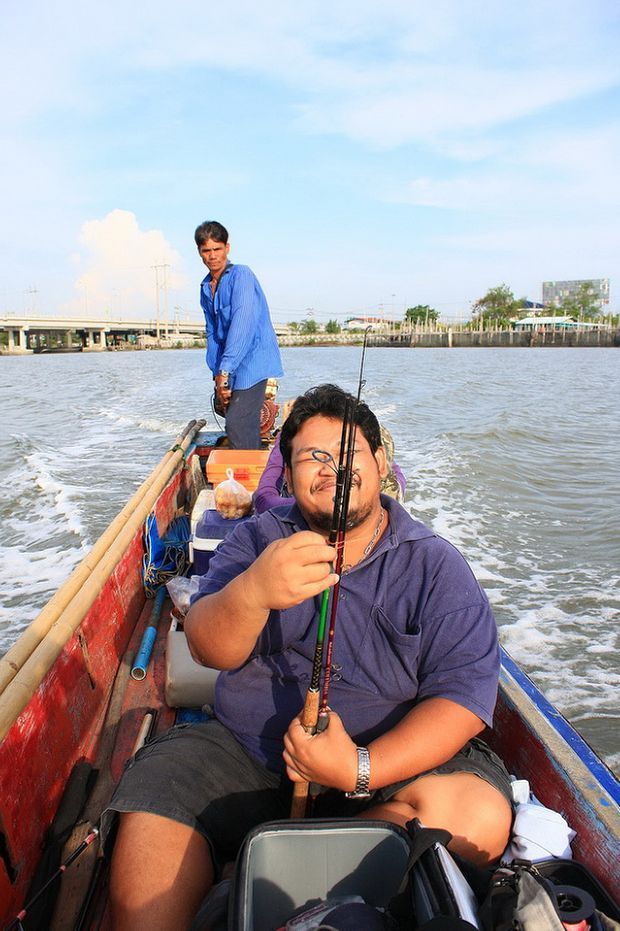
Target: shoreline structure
48,335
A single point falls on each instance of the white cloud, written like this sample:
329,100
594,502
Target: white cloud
116,269
384,77
460,96
554,173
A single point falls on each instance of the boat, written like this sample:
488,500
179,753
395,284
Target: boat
72,713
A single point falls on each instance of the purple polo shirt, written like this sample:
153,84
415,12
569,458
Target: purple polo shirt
412,623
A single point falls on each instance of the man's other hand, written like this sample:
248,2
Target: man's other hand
222,391
328,758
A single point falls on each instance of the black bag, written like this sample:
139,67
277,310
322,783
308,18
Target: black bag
542,896
437,894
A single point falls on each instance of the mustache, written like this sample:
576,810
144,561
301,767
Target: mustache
321,484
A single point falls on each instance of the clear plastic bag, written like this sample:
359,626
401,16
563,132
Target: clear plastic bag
181,589
232,500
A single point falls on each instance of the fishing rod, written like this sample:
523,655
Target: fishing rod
17,922
344,514
314,715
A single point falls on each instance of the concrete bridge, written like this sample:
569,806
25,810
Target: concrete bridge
26,333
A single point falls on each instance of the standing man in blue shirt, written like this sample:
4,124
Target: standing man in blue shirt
242,348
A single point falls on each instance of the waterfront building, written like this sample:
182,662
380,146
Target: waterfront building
548,324
554,293
362,322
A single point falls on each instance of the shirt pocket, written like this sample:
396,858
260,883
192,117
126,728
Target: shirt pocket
222,321
387,659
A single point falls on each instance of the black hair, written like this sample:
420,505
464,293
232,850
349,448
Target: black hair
327,401
210,229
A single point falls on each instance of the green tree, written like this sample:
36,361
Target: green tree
583,303
421,313
293,325
309,326
332,326
497,306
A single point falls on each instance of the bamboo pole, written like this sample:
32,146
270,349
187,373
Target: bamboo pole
17,656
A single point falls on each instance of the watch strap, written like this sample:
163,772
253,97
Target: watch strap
362,785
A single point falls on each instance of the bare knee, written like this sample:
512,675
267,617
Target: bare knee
476,814
161,870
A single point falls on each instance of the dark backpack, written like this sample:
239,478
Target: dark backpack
545,897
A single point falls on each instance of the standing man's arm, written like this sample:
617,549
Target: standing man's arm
245,316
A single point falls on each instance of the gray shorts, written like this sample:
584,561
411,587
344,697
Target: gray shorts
200,776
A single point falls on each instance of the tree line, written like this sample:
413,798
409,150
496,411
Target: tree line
498,307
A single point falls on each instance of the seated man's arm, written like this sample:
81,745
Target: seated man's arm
222,627
428,735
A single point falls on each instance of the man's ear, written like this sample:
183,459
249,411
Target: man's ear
381,460
288,478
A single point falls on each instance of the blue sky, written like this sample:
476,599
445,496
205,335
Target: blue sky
364,157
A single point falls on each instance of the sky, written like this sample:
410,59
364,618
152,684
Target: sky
364,157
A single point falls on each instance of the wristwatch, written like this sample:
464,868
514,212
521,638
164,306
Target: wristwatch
226,375
362,786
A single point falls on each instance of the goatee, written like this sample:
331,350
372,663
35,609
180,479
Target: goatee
322,521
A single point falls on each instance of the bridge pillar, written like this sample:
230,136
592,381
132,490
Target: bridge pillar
16,341
95,340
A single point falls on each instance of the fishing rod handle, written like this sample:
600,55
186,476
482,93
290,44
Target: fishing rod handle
299,801
310,713
309,718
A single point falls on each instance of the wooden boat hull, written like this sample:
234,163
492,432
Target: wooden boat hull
84,707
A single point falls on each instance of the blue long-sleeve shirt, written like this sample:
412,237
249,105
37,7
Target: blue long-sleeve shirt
241,339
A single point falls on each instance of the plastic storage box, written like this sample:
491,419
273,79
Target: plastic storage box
247,466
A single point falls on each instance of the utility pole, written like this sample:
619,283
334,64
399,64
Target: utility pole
156,270
163,267
166,267
31,304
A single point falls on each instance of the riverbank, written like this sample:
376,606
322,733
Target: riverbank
498,339
416,338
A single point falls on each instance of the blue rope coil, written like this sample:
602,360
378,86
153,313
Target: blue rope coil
164,557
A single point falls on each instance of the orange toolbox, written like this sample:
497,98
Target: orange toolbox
247,466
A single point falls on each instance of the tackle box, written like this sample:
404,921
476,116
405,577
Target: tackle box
247,466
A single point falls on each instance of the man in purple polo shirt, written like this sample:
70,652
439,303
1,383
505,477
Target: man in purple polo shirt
415,670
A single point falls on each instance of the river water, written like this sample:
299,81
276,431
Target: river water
511,454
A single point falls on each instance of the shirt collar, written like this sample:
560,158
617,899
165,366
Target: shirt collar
228,267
